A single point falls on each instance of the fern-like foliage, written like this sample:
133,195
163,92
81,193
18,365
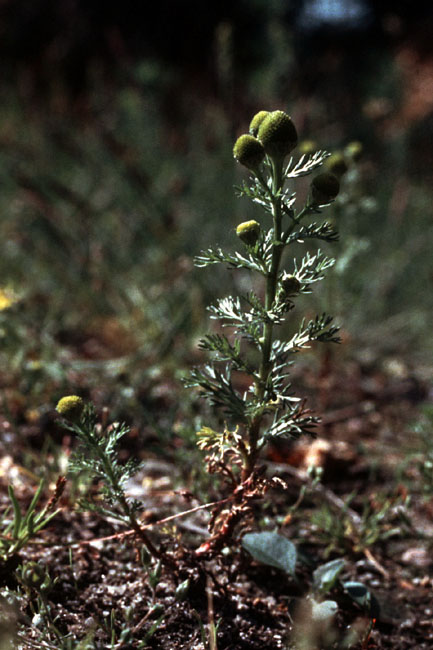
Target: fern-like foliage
248,375
216,384
96,456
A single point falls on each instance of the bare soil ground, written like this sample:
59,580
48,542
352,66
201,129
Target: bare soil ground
367,452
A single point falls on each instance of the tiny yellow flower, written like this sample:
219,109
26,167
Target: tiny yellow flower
7,299
70,407
278,135
248,151
248,232
336,164
307,147
354,150
256,121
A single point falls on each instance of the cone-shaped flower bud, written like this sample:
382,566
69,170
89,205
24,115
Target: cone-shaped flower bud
291,285
336,164
324,188
256,121
248,151
278,135
354,151
248,232
70,407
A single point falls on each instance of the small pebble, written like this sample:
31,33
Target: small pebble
417,556
407,623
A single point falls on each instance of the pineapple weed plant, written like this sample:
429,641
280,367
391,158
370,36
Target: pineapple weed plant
266,410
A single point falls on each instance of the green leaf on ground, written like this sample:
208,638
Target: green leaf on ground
326,575
272,549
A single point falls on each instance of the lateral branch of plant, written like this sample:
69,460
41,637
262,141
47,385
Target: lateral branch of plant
268,409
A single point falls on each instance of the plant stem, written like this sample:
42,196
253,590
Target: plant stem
271,287
122,500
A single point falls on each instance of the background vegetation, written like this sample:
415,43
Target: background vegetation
116,132
117,122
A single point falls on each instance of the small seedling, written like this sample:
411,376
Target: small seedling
18,531
97,456
315,615
381,519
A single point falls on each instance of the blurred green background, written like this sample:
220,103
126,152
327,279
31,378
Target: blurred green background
117,122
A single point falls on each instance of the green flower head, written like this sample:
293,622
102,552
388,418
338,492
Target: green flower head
70,407
291,285
336,164
277,134
354,151
248,151
324,188
307,147
256,121
248,232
